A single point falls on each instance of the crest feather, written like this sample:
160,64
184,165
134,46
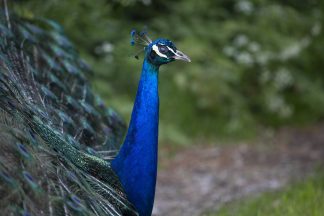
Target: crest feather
140,38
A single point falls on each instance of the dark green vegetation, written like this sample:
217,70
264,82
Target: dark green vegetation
298,200
255,63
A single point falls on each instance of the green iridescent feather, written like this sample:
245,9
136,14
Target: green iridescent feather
55,133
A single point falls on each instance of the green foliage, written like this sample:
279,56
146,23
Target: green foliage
255,63
302,199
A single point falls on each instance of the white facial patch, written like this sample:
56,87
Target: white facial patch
175,53
156,50
171,50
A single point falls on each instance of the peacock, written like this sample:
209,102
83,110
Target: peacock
60,151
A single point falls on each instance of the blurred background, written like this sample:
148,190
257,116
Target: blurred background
245,117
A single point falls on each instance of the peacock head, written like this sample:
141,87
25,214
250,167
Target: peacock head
158,52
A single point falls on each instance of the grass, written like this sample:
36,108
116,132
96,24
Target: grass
302,199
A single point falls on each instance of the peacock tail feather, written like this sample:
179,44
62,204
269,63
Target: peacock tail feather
57,138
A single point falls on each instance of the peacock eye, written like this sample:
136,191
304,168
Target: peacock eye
163,49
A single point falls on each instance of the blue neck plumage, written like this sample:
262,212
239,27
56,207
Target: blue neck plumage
136,162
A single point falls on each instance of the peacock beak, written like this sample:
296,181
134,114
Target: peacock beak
181,56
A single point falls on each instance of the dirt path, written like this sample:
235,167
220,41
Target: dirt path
203,178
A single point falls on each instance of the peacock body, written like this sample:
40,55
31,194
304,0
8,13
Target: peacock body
59,143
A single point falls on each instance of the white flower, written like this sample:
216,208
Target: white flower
241,40
244,58
316,29
254,47
283,78
245,7
229,51
104,48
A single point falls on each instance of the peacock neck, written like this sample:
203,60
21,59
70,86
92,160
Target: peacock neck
136,162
